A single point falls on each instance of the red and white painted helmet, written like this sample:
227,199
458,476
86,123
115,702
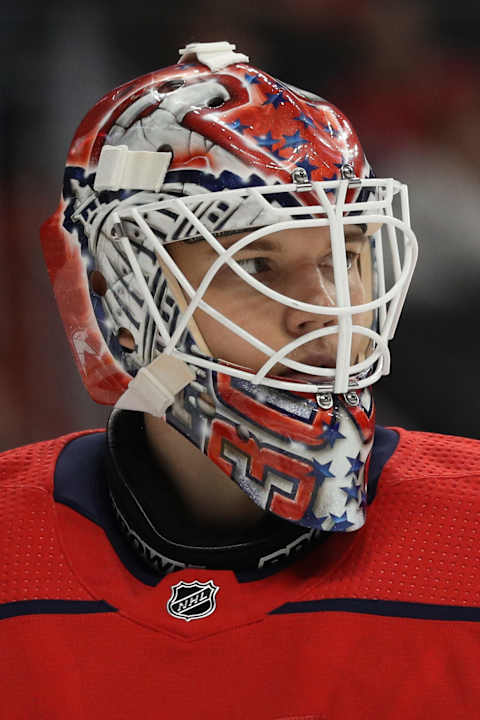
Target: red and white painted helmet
208,147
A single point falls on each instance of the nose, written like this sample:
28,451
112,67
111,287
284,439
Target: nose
308,284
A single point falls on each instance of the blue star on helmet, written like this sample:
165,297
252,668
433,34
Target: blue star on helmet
355,466
274,99
237,125
305,164
321,471
331,434
252,79
351,492
363,499
266,140
295,140
307,121
340,522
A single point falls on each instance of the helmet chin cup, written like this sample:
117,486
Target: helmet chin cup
306,464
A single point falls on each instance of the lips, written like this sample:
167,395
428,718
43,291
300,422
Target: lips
304,378
317,361
283,373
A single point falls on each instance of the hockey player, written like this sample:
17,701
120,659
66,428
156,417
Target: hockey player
230,272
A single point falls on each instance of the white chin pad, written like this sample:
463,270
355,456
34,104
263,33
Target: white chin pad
154,388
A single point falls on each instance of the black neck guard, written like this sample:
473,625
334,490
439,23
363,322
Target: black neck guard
159,526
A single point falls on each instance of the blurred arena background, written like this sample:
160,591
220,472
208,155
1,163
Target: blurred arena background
406,72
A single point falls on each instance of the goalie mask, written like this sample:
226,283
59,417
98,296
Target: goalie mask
213,157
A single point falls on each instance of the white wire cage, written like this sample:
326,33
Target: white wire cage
394,252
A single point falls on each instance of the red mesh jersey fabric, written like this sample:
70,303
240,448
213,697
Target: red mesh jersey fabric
421,539
32,565
420,543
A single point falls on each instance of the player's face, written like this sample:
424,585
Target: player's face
296,262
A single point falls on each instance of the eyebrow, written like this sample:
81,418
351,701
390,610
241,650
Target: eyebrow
261,244
267,244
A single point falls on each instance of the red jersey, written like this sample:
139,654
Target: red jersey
379,623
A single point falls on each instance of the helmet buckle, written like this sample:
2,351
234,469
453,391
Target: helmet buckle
300,177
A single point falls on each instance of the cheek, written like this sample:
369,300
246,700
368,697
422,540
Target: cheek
358,293
239,303
358,296
249,309
254,313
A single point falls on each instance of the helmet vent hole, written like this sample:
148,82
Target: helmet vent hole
171,85
216,101
126,340
165,148
98,283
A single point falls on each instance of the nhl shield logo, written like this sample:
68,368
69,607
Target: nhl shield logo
192,601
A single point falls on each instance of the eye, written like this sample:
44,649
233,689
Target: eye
254,266
351,259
